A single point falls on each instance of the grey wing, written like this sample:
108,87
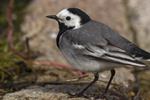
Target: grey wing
102,43
110,54
106,53
117,40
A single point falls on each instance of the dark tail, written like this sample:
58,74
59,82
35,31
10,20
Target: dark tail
137,52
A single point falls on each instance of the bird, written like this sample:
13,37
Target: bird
92,46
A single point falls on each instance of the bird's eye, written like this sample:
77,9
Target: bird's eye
68,18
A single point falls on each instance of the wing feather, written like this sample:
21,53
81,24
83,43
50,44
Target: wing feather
112,56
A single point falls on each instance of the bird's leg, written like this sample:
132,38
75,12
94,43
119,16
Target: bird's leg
107,87
96,76
110,80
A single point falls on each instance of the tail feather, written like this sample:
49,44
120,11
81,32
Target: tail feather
140,53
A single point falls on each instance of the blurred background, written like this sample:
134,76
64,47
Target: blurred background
29,56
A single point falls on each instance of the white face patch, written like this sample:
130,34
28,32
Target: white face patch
73,22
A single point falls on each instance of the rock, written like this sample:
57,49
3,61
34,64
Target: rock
60,92
42,31
140,20
35,93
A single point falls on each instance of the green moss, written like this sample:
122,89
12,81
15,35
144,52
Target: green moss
8,59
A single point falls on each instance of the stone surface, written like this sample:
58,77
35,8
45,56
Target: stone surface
60,92
140,20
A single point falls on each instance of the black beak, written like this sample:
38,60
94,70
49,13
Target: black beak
53,17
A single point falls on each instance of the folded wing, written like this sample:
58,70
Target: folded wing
110,54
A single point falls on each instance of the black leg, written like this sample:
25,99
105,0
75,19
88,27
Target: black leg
96,76
112,75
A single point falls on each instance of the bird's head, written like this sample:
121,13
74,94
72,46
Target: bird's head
71,18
